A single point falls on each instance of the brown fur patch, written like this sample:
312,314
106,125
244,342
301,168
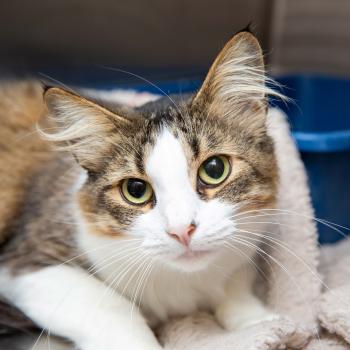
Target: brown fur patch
44,230
21,150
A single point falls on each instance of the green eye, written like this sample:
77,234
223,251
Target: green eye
214,170
136,191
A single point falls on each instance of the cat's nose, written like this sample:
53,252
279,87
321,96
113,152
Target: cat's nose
183,236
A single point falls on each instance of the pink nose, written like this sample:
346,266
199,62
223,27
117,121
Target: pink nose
184,237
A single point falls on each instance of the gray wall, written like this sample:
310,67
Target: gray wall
152,33
311,36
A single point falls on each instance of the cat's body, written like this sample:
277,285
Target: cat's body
82,255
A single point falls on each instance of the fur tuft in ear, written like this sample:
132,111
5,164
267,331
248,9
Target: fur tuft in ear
81,126
236,81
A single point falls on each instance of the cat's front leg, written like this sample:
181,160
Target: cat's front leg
240,307
74,305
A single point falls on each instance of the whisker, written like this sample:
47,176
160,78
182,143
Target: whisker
67,294
249,259
103,262
57,82
278,263
111,287
288,249
285,270
92,250
143,282
145,80
291,213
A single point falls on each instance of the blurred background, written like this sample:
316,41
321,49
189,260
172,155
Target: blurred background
172,43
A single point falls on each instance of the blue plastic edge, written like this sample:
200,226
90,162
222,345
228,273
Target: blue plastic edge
323,142
306,141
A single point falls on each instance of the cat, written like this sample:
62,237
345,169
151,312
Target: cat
138,215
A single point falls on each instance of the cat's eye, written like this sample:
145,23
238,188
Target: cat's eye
136,191
214,170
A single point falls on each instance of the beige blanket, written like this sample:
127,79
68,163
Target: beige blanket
308,286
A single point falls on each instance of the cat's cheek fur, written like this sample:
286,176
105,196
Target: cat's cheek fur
69,302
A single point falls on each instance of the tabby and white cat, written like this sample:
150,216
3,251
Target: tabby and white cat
145,221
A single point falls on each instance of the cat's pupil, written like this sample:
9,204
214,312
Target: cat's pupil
136,188
214,167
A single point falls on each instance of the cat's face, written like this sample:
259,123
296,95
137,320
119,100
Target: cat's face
175,176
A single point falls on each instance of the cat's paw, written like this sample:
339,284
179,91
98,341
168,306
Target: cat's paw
116,346
119,343
244,316
249,320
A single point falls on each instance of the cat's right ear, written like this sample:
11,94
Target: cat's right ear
235,86
81,126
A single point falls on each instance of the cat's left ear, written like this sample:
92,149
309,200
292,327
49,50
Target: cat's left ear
236,81
82,127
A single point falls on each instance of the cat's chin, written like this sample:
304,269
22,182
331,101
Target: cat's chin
193,255
193,260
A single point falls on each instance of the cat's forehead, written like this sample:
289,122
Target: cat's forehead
190,123
167,161
195,133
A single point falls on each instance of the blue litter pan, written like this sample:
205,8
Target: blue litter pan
320,121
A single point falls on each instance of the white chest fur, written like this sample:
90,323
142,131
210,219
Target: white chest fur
159,290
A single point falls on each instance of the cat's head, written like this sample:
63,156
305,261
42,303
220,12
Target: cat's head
175,175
